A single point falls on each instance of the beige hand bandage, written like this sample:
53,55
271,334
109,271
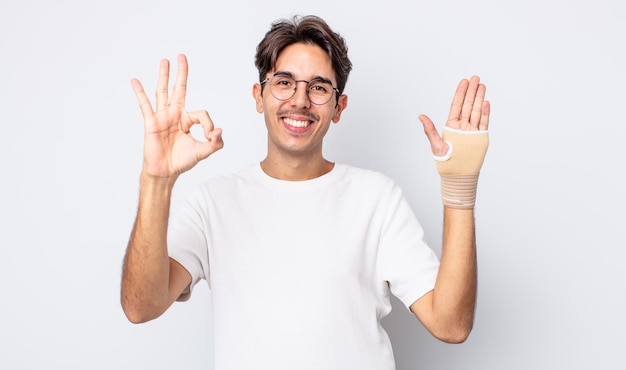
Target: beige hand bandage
460,167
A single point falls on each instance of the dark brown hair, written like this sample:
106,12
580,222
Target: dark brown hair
307,29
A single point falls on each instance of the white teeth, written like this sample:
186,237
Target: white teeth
294,123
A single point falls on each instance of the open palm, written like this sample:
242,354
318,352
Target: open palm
469,111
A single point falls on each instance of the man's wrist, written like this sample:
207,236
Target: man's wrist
459,191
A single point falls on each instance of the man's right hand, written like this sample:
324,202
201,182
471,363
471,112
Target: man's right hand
169,148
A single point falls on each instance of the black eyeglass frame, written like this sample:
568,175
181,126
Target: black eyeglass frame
317,79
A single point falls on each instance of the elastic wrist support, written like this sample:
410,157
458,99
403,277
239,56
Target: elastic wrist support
460,166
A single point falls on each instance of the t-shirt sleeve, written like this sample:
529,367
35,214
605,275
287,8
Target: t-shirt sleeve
186,241
405,261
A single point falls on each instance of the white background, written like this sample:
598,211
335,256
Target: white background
551,204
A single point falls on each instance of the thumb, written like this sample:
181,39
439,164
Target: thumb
437,145
213,143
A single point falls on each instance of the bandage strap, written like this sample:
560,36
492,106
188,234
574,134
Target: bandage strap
460,167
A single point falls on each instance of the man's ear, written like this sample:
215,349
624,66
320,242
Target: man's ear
258,98
342,104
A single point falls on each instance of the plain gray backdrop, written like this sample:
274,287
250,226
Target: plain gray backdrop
551,203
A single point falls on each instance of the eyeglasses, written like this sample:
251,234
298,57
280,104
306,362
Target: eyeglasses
283,87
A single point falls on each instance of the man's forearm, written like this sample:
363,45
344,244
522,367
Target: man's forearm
454,297
145,276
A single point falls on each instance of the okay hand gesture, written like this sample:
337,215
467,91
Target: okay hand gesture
169,148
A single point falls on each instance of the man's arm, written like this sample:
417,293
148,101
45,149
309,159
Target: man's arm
151,281
448,310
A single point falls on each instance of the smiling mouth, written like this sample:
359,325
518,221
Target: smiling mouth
296,123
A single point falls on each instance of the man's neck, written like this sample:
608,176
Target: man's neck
296,169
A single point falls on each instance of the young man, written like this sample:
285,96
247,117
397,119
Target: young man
301,253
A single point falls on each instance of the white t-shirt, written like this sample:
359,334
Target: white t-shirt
300,272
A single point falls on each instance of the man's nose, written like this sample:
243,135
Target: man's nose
300,96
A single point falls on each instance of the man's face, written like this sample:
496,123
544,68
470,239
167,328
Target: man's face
296,127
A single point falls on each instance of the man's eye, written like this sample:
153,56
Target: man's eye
283,82
319,88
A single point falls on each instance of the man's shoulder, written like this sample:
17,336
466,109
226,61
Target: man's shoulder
224,183
364,174
245,173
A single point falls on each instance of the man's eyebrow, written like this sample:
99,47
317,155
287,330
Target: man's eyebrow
283,73
322,79
289,74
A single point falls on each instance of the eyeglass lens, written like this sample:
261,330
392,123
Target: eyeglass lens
284,87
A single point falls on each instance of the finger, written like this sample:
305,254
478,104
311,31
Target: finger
213,143
470,95
457,101
180,86
199,117
437,145
142,98
214,139
163,85
477,106
484,116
